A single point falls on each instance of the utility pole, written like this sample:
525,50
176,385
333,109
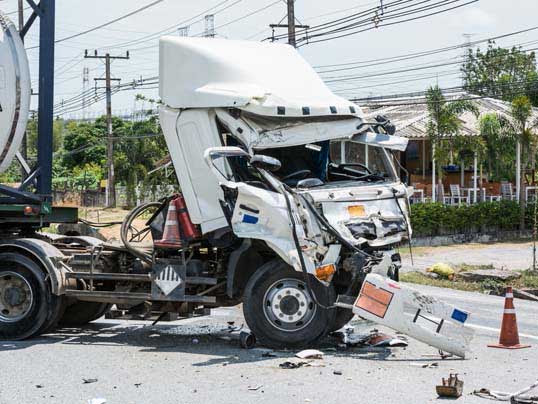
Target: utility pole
467,48
209,26
291,25
110,186
183,31
85,85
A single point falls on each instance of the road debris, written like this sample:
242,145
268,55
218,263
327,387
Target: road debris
481,275
39,386
269,354
443,270
89,381
247,340
337,372
292,365
309,354
517,397
522,294
451,387
431,320
255,388
97,401
426,365
373,338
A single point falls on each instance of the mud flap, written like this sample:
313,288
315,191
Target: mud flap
420,316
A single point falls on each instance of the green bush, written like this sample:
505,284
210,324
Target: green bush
431,219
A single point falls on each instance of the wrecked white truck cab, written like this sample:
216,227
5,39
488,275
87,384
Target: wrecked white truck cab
263,148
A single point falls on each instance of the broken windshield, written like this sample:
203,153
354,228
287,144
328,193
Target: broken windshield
329,162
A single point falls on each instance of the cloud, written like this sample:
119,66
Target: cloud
473,18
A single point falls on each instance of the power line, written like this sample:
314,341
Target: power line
105,24
429,52
308,40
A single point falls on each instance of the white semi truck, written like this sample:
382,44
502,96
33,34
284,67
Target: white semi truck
289,199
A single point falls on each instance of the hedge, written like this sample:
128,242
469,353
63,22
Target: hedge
431,219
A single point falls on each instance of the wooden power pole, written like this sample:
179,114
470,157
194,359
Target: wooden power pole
291,25
111,179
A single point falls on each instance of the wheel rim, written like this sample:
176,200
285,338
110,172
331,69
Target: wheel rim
16,297
288,305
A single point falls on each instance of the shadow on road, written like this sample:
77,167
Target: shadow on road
214,341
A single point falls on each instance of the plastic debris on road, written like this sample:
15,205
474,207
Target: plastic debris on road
309,354
97,401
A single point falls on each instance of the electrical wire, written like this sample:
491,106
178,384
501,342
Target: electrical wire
67,38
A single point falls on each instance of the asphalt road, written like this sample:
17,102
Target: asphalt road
194,362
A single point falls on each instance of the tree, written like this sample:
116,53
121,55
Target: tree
501,73
518,123
84,143
444,125
499,148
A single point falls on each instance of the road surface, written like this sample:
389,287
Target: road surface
190,362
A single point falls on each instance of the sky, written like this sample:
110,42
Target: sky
483,19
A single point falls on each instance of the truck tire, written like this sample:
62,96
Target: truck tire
81,313
27,306
279,310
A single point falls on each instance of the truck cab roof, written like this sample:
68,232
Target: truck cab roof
265,79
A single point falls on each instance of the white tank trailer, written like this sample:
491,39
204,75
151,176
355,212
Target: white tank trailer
14,91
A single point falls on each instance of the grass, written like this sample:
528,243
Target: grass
529,279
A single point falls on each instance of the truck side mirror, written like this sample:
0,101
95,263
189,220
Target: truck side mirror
265,162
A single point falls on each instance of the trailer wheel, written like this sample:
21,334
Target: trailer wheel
81,313
26,301
279,310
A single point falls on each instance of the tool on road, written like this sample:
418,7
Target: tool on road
509,338
451,387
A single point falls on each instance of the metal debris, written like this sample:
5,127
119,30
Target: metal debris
247,340
451,387
427,365
292,365
255,388
373,338
337,372
309,354
517,397
89,381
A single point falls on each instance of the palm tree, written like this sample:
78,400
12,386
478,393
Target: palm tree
444,124
519,124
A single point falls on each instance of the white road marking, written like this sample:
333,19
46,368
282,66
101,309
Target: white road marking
482,327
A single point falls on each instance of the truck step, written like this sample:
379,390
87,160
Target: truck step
119,297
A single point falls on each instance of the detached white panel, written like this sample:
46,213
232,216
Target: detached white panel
14,91
188,134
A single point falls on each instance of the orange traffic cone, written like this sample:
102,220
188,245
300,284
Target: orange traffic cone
171,237
509,338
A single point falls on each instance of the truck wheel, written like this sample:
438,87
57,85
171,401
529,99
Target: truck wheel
279,310
25,298
81,313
